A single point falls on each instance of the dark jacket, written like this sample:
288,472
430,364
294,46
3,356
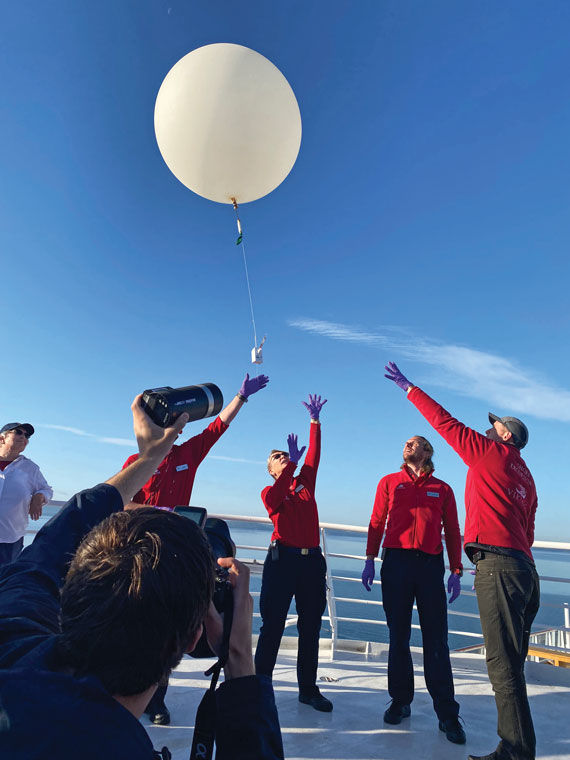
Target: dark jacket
47,714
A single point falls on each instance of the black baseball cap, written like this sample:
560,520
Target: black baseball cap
13,425
515,426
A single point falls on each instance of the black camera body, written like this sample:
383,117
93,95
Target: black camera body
164,405
221,544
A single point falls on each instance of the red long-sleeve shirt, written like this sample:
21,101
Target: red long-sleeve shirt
290,501
416,508
500,495
172,483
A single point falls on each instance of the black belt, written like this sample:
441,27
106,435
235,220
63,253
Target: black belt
296,550
486,554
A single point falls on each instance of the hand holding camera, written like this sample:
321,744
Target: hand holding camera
240,658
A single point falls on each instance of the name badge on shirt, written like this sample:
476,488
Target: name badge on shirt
433,493
181,467
299,488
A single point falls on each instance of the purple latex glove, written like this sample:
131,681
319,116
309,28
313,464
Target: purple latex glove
314,406
453,587
294,453
368,574
249,387
397,377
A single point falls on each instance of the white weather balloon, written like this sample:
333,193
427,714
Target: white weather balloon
227,123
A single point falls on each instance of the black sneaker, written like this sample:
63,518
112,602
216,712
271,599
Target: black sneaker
316,700
158,714
396,712
453,730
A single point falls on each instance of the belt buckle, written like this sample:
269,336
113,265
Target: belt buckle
304,552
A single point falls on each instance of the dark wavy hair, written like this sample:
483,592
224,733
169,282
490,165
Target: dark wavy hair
135,596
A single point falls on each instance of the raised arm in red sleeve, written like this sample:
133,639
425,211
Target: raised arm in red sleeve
451,530
468,443
308,473
199,445
378,519
274,496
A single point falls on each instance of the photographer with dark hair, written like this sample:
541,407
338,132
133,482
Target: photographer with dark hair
104,604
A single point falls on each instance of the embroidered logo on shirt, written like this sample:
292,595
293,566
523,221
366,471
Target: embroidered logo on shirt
432,493
518,493
181,467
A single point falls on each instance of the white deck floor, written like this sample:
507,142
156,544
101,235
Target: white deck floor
355,730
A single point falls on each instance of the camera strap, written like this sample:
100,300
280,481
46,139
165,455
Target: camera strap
205,724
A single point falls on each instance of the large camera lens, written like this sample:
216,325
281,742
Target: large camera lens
164,405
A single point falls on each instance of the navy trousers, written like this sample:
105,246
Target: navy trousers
409,575
302,577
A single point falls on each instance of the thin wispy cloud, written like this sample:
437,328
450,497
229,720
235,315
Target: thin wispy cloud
99,438
131,443
234,459
497,380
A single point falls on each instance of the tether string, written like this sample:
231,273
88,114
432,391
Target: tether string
240,242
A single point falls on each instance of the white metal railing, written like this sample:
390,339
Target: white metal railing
555,636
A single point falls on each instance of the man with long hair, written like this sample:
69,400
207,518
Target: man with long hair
412,506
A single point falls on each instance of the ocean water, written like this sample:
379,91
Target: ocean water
549,562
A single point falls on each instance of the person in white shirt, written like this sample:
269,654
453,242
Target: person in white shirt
23,489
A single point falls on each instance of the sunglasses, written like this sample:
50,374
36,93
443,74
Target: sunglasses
278,454
19,431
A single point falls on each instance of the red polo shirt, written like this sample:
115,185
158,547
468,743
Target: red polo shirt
416,508
172,483
290,501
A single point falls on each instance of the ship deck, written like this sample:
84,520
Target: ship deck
357,685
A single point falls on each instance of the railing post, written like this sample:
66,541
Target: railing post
330,597
566,625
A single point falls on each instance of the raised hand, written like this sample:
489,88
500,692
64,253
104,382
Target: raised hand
368,574
294,453
396,376
314,406
152,439
251,386
453,587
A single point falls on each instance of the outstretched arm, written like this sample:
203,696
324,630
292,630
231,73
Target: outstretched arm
248,388
29,587
468,443
314,407
154,443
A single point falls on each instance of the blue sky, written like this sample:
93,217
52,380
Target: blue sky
425,221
